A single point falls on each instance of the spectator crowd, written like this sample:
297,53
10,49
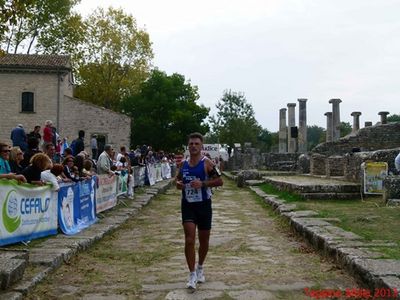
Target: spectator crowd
42,157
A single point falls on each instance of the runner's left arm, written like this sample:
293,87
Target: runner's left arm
214,175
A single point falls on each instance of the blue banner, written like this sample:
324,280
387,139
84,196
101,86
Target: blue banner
76,208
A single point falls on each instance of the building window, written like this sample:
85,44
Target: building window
27,102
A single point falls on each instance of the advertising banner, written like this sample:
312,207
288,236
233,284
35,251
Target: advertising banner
76,207
27,212
122,183
212,150
158,172
151,174
374,173
165,170
139,176
106,194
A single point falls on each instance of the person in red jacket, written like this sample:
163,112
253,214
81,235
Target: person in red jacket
48,132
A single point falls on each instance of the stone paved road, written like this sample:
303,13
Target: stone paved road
252,256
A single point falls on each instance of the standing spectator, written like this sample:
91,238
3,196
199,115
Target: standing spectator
55,135
5,170
57,156
93,146
150,158
122,153
35,133
64,145
18,137
78,144
33,148
16,157
104,162
48,132
50,151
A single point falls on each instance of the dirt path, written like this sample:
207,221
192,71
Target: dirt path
252,256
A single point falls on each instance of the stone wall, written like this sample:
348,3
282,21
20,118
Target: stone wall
334,166
391,188
74,114
251,159
93,119
353,161
281,161
318,164
386,136
44,86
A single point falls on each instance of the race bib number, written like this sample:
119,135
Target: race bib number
192,194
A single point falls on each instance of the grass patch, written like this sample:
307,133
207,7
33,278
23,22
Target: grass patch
288,196
138,257
370,218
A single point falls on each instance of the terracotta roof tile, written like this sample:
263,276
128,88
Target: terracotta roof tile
34,61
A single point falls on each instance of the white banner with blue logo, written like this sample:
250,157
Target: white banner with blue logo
77,204
106,194
27,212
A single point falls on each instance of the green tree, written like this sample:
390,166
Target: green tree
37,22
165,111
393,118
345,128
235,121
265,140
10,12
315,136
115,58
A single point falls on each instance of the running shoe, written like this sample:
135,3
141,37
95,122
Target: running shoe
200,275
191,284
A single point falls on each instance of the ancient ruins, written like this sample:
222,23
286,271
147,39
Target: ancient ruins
338,158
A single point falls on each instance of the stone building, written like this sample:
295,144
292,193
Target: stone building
36,88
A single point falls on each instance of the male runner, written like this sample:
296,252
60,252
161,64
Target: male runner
196,176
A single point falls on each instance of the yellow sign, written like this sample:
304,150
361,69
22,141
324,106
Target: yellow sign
374,173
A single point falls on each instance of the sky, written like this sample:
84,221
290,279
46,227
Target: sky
277,51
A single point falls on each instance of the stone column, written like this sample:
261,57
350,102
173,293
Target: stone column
383,115
335,119
356,120
302,138
367,124
282,131
328,127
291,123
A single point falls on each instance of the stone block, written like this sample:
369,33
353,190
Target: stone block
11,271
317,164
245,175
391,187
303,164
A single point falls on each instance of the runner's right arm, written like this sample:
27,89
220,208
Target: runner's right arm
178,179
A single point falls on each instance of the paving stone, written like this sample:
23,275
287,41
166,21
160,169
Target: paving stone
286,208
96,296
308,222
301,214
251,294
198,295
254,182
380,267
11,271
50,257
391,282
11,296
249,256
